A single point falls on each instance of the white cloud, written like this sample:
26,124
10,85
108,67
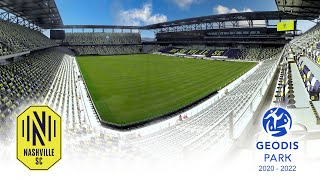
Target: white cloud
225,10
143,16
185,4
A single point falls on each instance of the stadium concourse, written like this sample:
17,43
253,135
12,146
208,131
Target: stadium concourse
37,70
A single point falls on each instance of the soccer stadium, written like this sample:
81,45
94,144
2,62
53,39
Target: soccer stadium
202,84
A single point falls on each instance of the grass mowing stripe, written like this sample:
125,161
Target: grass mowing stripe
131,88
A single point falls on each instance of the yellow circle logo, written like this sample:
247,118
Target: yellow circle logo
39,137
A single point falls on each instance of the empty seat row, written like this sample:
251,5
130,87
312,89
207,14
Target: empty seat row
99,38
26,82
16,39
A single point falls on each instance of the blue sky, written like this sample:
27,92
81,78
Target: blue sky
143,12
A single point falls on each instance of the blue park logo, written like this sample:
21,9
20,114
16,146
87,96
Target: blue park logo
277,122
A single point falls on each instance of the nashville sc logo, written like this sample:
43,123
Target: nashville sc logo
277,122
39,137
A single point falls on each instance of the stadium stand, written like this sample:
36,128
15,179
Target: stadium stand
258,54
102,38
234,53
106,50
298,83
213,120
26,81
103,43
52,76
246,54
284,93
149,49
91,143
307,60
21,39
205,52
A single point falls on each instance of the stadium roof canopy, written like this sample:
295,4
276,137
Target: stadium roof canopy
310,8
95,27
246,16
43,13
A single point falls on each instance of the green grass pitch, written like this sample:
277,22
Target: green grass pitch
131,88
